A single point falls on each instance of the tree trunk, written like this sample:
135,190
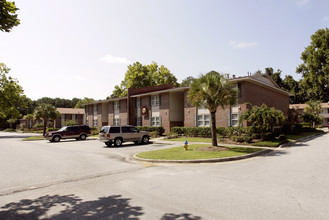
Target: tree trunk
213,129
44,126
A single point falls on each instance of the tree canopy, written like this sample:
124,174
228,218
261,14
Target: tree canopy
211,91
139,76
263,118
46,112
83,101
315,67
187,81
11,95
8,16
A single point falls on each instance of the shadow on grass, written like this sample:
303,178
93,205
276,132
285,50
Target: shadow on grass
71,207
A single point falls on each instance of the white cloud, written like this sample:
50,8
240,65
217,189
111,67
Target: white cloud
235,44
78,77
116,60
302,2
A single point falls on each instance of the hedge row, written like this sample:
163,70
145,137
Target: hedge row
158,130
206,131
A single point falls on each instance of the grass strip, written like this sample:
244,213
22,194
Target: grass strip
190,139
179,153
34,138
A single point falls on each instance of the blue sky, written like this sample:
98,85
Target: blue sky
78,48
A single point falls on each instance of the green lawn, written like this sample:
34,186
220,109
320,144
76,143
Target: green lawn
293,137
179,153
190,139
34,138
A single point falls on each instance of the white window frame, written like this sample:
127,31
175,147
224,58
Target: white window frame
138,103
95,122
155,100
155,121
203,120
235,120
116,122
95,110
139,121
116,105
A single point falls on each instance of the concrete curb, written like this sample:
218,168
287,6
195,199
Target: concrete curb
213,160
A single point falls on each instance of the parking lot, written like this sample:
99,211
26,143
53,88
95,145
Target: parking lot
33,164
86,180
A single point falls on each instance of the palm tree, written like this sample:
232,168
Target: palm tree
46,112
11,121
211,91
29,117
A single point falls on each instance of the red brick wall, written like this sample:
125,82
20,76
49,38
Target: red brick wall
111,113
222,116
99,115
164,112
132,91
189,112
90,115
258,95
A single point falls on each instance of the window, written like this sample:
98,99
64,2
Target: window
155,100
116,105
116,121
139,121
125,130
95,110
203,120
95,122
155,121
239,90
138,103
234,119
115,130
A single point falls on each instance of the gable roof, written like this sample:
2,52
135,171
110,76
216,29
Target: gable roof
76,111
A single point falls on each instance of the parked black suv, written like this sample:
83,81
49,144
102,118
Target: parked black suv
69,132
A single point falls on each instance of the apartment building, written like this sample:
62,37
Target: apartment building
324,111
168,106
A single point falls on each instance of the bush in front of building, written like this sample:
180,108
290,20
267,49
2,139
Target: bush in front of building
206,131
70,122
94,130
159,130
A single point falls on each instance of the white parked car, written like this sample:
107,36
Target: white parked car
120,134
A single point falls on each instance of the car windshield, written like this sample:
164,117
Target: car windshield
62,129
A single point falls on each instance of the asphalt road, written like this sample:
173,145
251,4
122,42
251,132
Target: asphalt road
85,180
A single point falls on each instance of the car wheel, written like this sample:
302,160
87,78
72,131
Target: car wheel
136,142
83,137
145,139
56,138
109,144
118,142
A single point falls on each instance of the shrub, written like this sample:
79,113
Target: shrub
282,137
255,136
38,125
52,129
158,130
178,130
94,130
268,136
70,122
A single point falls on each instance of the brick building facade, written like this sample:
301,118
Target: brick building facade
168,106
